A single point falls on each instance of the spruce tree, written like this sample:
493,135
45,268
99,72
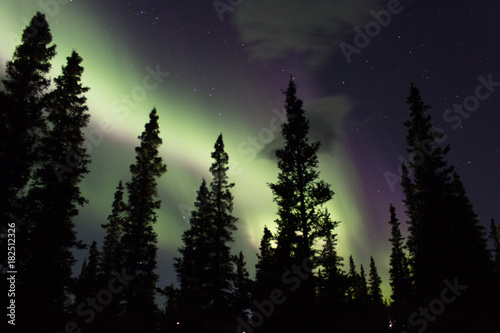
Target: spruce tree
425,204
54,199
374,284
21,117
242,286
110,261
445,240
399,274
21,125
87,284
357,302
221,268
353,280
139,238
193,266
363,287
332,283
206,266
299,194
265,268
469,232
377,313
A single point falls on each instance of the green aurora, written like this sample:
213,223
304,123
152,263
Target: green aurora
119,104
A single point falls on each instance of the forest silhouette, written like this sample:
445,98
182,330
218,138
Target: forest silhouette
444,275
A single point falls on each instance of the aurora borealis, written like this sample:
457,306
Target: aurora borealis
208,76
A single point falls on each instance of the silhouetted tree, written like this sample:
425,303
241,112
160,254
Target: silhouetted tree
446,240
265,269
54,198
332,285
399,275
139,239
21,118
363,287
298,192
357,301
242,286
374,284
111,264
21,126
193,266
221,269
377,310
110,259
206,266
88,279
353,278
300,197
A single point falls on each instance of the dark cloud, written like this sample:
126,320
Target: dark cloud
326,117
314,28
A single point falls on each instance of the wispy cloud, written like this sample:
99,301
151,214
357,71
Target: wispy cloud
273,29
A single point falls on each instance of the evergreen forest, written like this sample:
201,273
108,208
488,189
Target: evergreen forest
444,270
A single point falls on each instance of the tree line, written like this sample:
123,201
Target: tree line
444,276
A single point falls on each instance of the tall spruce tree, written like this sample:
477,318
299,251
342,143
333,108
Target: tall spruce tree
54,199
21,125
399,274
446,240
221,268
193,266
299,194
139,238
21,118
206,267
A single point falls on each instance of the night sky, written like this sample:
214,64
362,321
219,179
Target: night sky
210,72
